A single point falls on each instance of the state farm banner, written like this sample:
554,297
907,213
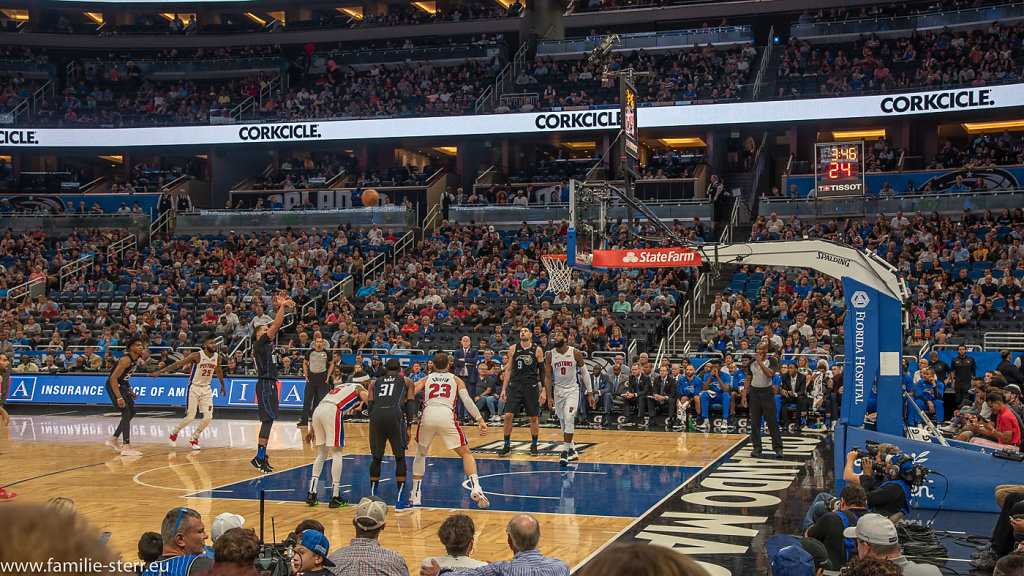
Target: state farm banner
646,258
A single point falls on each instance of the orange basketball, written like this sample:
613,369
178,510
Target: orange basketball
370,197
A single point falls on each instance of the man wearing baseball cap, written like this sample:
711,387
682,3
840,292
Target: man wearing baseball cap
876,536
221,524
311,555
788,558
365,550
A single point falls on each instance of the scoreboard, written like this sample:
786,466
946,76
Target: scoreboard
839,169
630,128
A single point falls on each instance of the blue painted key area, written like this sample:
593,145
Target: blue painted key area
542,486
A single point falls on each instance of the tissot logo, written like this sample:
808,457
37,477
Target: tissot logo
279,132
839,187
582,119
937,101
18,137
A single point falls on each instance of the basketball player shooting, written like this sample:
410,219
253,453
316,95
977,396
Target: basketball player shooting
440,392
267,400
328,430
205,363
519,390
563,369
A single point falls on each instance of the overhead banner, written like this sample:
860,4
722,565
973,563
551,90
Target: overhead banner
681,114
646,258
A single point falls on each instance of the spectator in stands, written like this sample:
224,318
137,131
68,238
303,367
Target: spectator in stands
1003,433
311,555
827,527
238,548
370,519
183,535
876,536
456,534
523,532
641,559
1005,534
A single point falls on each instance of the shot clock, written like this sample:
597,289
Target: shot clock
839,169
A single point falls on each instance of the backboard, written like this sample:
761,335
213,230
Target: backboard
588,221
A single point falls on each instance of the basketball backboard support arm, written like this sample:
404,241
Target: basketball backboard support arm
836,260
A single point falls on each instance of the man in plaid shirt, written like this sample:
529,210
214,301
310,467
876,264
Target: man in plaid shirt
364,556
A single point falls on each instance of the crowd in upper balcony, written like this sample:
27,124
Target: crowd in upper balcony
930,60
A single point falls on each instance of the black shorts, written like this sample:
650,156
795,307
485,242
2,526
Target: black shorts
126,393
387,426
523,397
267,400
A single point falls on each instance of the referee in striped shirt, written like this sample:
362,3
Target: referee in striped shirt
523,537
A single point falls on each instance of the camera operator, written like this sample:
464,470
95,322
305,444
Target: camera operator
828,528
887,492
311,555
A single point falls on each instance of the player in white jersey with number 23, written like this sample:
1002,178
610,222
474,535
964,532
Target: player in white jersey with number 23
205,363
563,369
441,389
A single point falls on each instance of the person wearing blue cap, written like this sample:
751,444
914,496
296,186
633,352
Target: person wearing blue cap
788,558
311,555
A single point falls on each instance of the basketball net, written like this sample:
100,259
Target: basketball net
559,273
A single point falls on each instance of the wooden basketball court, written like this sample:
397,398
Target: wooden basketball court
620,476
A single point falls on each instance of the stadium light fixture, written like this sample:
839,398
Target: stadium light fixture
847,135
428,7
356,12
16,15
96,17
975,127
683,142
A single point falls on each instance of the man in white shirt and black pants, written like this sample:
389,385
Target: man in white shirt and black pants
759,393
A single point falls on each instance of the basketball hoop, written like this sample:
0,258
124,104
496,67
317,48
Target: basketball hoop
559,273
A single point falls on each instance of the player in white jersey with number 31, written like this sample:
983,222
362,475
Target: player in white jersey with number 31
441,389
205,363
563,369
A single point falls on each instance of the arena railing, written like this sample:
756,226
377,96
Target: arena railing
541,213
887,23
435,54
650,40
117,249
71,269
945,203
762,68
203,221
489,99
1003,341
32,289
